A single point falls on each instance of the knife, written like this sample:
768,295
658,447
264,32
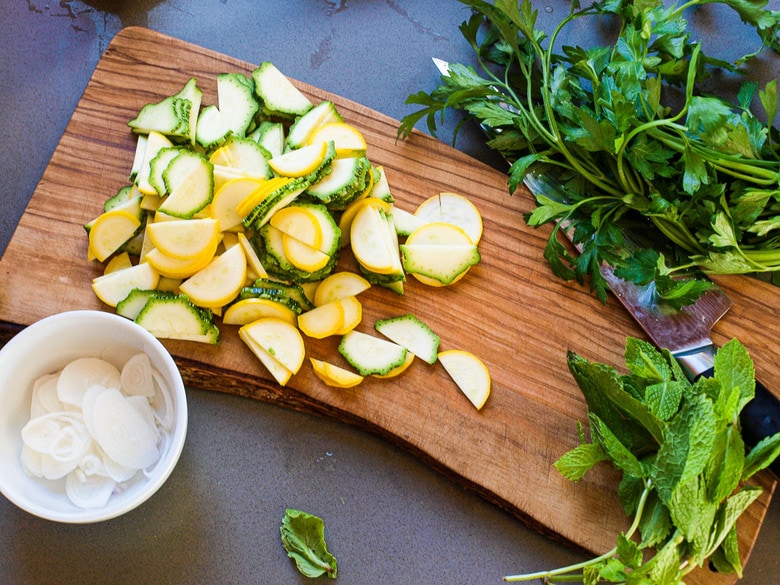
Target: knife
686,333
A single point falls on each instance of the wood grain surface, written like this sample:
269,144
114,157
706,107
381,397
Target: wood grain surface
509,310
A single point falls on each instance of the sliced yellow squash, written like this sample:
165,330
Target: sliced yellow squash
454,209
322,321
113,287
280,373
219,282
339,285
335,376
110,230
280,339
303,256
248,310
299,223
353,314
348,140
224,207
300,162
184,239
469,373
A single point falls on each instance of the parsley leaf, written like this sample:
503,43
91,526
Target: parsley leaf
706,173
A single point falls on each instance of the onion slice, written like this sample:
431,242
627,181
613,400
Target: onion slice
59,440
122,432
97,427
80,374
137,376
44,396
88,491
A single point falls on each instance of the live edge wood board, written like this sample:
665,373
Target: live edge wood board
509,309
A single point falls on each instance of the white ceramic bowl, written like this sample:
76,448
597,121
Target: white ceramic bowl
47,346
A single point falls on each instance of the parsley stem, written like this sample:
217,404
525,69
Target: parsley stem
678,233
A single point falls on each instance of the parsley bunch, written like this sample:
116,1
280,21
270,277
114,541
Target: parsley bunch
683,461
703,176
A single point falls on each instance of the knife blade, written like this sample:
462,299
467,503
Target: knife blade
686,333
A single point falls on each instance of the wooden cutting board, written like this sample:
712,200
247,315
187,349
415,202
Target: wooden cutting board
509,310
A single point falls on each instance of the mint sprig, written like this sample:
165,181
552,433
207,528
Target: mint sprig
684,464
303,537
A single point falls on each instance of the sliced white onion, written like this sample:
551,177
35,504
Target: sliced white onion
88,491
119,473
60,439
77,377
97,426
162,402
96,462
88,405
31,461
122,432
141,404
137,376
44,396
92,464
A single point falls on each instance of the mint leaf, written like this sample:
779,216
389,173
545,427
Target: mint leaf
303,537
724,469
664,398
735,372
646,362
655,525
686,448
726,559
693,513
761,455
621,456
628,552
574,464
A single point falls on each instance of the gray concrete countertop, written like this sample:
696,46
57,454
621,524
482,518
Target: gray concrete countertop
388,517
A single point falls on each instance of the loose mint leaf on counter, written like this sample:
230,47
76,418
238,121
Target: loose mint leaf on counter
303,537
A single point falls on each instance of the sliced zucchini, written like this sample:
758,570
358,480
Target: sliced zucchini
175,115
278,96
132,305
157,167
244,154
413,334
175,317
154,144
405,222
381,188
305,126
443,263
282,197
138,157
292,290
270,247
189,180
347,180
331,234
234,114
369,354
270,293
122,196
270,136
